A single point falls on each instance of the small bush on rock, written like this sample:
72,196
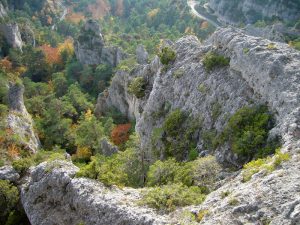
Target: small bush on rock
268,164
212,60
22,165
168,197
167,55
137,87
173,122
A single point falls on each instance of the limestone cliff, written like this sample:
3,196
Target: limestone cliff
90,47
257,74
19,120
250,11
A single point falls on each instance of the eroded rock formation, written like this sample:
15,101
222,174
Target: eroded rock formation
19,120
90,48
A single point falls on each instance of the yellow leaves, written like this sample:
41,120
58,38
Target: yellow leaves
82,153
153,13
88,115
67,46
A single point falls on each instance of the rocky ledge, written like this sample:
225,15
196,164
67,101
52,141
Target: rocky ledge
53,195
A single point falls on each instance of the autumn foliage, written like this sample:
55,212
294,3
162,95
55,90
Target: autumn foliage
82,154
52,55
120,134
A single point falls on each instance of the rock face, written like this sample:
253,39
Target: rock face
54,196
19,120
90,48
8,173
12,34
266,199
257,74
3,12
118,96
250,11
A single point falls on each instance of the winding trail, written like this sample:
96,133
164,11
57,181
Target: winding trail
192,4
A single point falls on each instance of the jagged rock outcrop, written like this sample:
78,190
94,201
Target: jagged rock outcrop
54,196
108,148
90,48
12,34
19,120
141,55
9,173
118,96
250,11
257,74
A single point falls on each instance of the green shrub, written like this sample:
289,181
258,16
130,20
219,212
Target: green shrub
22,165
121,169
247,132
233,201
178,73
137,87
212,60
205,172
170,171
9,197
271,46
202,88
193,154
173,122
268,164
167,55
167,198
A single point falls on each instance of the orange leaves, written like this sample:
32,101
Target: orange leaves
120,134
52,54
13,151
82,154
5,64
75,17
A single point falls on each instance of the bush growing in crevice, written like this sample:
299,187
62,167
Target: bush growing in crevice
137,87
247,132
167,55
212,60
178,134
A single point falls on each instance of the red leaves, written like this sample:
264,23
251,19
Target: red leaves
120,134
